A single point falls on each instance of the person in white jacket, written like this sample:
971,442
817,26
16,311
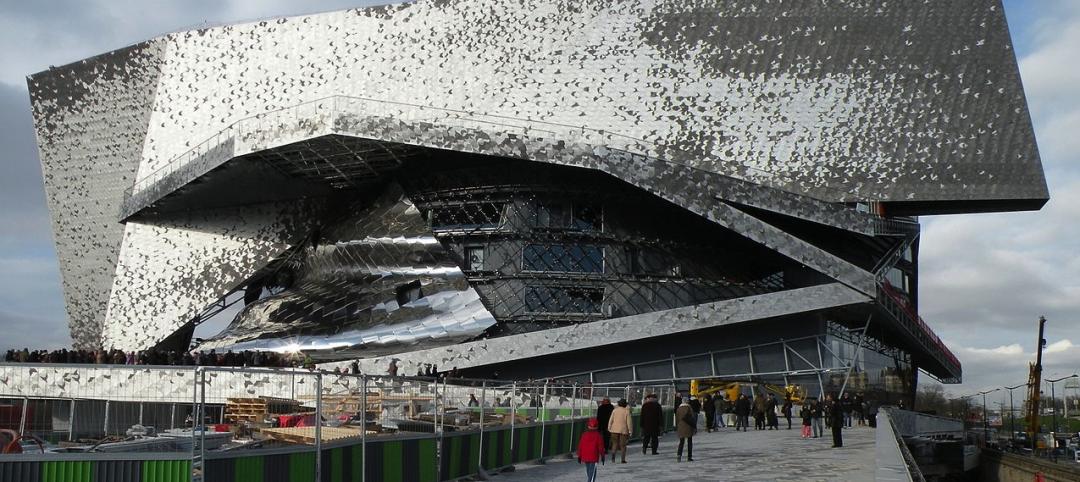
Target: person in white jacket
621,426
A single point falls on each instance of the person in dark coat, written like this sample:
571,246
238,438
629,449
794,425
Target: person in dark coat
709,407
685,425
742,413
816,414
695,405
786,410
770,413
603,416
652,423
836,415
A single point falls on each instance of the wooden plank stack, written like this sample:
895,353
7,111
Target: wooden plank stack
257,409
306,435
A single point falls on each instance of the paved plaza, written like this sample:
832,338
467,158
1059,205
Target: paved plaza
729,455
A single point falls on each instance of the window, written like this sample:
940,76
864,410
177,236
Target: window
898,279
474,258
654,262
588,217
552,215
467,216
577,216
548,299
409,292
563,258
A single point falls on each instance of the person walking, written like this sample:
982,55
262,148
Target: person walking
722,409
709,407
620,426
816,414
786,410
685,425
591,449
603,416
806,416
652,423
837,419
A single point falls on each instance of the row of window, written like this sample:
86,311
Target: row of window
547,215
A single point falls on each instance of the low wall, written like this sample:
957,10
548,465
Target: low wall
996,466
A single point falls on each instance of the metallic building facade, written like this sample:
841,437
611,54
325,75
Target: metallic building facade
457,182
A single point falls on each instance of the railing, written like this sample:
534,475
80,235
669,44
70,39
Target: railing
892,459
216,423
901,309
334,114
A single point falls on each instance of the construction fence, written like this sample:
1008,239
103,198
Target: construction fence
138,423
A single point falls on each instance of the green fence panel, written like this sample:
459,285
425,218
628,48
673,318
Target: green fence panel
166,471
66,471
302,467
248,469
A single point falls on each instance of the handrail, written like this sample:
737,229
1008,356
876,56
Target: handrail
907,309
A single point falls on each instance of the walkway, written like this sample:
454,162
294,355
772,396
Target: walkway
729,455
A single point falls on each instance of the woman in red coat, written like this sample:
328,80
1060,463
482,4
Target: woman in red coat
591,449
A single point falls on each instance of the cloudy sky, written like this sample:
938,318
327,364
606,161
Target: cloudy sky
985,278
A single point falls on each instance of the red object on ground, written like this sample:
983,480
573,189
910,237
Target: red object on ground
221,427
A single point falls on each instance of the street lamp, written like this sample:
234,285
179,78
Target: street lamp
986,423
1012,412
1054,402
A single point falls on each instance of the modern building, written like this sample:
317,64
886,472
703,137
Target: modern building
610,190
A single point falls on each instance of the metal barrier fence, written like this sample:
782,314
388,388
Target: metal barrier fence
141,423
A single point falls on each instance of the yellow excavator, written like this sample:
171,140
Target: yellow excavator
732,388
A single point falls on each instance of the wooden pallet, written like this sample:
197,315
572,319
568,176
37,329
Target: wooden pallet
257,409
306,435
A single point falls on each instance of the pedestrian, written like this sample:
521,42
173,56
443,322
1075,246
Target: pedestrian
817,412
620,426
805,413
722,409
742,413
709,407
770,412
695,405
685,424
786,410
591,449
846,406
858,405
603,416
759,412
652,423
837,416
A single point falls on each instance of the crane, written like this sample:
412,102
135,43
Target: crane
1034,381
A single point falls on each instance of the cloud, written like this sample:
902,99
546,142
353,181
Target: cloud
987,368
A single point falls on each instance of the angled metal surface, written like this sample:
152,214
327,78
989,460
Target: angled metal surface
613,331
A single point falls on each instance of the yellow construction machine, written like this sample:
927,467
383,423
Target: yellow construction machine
732,388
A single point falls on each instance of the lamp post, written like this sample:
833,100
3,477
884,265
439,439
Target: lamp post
1052,381
1012,412
986,424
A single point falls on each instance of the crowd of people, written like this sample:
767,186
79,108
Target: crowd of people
161,357
610,430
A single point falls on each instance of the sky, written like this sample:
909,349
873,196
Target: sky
984,279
